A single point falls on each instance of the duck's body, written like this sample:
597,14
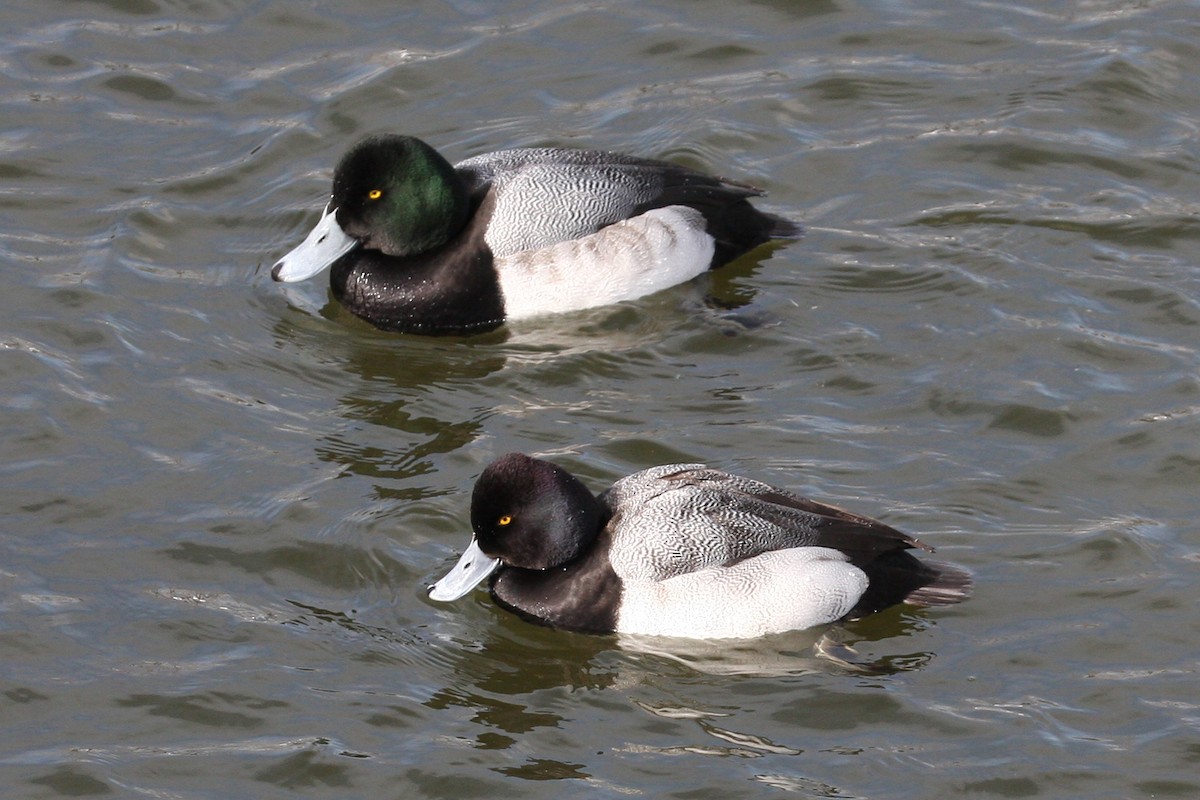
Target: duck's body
683,550
419,245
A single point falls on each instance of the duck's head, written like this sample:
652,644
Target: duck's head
394,194
525,513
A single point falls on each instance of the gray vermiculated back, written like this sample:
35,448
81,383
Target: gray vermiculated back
550,195
712,519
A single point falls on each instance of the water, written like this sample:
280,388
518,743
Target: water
222,497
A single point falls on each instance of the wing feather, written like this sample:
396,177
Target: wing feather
717,519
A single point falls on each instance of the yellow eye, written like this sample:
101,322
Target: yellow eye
375,194
505,520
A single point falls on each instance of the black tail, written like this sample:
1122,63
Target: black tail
729,217
899,577
740,227
952,585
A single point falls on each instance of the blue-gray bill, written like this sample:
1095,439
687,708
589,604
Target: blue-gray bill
472,567
325,244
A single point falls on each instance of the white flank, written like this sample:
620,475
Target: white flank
628,259
782,590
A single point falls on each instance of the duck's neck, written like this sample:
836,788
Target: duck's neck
452,289
583,595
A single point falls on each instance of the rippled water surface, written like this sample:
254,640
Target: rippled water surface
222,497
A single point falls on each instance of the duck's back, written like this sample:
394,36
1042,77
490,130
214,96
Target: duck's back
543,196
679,518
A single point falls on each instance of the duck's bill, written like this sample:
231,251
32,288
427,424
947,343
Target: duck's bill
472,567
324,245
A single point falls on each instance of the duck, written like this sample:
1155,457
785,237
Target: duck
420,246
683,550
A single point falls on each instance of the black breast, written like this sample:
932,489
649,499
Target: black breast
453,289
582,596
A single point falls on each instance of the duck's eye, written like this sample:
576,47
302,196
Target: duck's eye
375,194
504,520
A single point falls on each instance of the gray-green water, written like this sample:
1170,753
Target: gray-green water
221,498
